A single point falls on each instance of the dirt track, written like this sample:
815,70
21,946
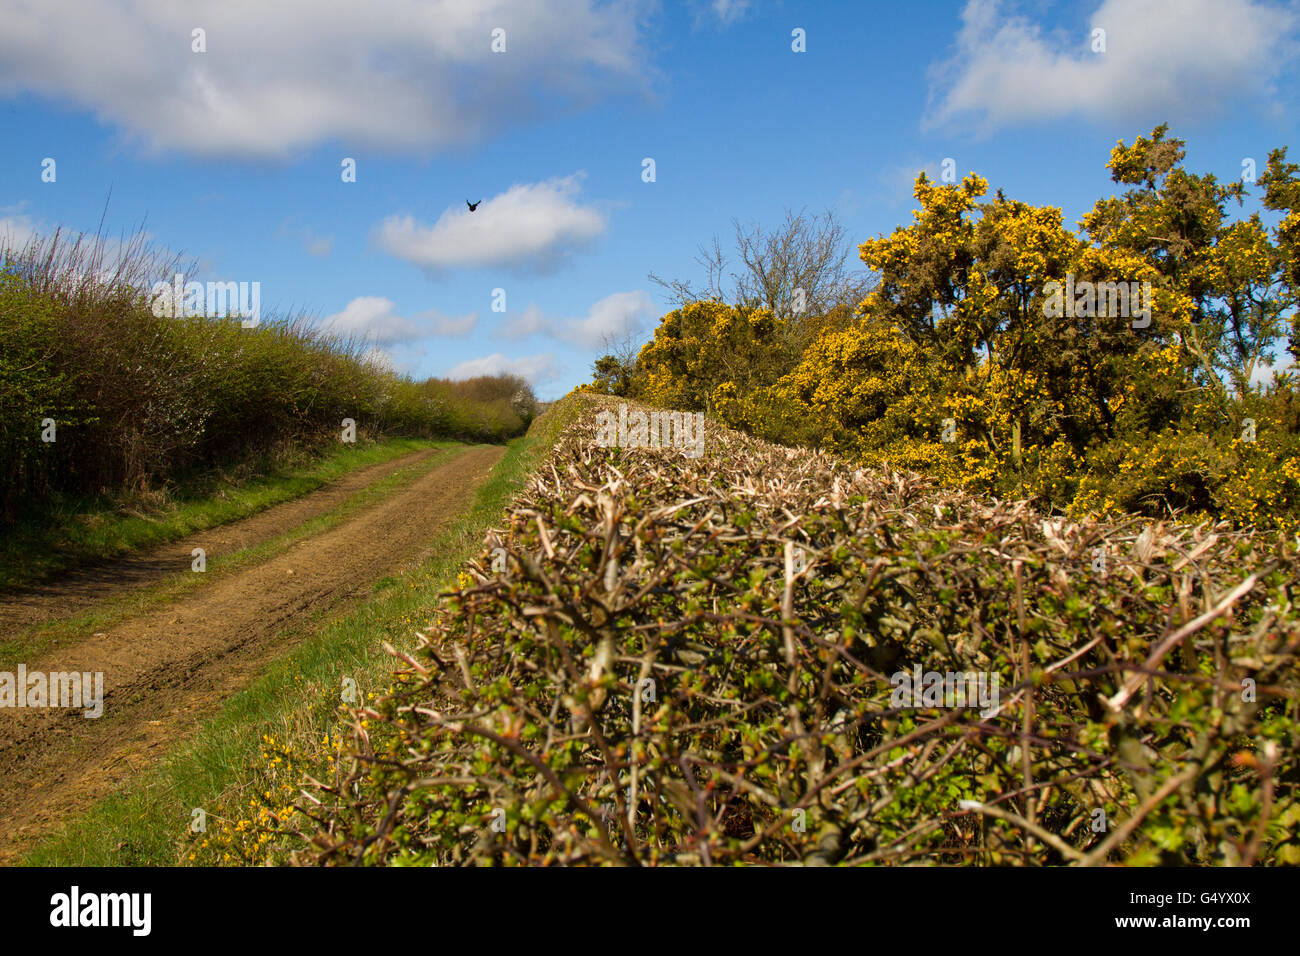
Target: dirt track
83,589
171,665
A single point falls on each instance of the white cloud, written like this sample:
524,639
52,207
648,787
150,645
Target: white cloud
1164,59
373,318
318,246
279,78
729,11
451,326
535,368
532,321
612,317
532,227
16,231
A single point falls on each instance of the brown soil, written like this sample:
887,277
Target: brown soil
170,666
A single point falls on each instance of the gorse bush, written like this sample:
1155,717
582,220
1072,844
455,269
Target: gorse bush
136,399
966,362
668,660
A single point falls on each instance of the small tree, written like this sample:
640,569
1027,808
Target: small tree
613,371
800,271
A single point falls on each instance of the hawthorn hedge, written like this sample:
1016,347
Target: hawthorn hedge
664,659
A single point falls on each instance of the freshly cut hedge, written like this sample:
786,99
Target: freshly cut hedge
676,660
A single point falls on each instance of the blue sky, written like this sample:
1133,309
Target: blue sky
233,155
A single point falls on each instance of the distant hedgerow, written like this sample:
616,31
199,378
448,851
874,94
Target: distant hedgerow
99,395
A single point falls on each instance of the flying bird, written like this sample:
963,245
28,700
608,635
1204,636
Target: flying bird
473,205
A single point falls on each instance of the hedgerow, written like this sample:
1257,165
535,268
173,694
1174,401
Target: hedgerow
100,396
663,659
